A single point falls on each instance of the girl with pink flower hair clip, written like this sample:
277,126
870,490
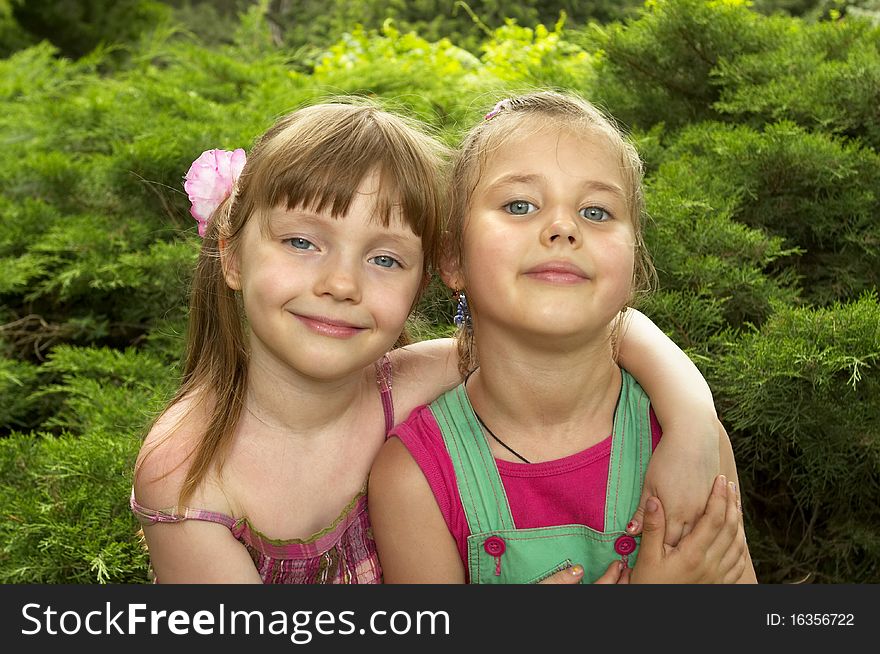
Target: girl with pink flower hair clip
315,251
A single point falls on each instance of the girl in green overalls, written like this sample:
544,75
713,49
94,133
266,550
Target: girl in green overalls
536,462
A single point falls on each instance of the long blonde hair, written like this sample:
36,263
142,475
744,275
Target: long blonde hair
562,110
316,156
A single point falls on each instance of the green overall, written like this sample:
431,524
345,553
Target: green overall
498,552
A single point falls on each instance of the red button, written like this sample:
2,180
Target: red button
625,545
494,546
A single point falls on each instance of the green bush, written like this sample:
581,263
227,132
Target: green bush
701,251
818,193
801,398
65,510
660,68
65,497
823,76
18,382
760,136
76,27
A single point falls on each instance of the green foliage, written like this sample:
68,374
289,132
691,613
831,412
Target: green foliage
801,398
824,76
428,79
18,381
65,498
105,391
820,194
704,255
65,510
76,27
12,37
424,78
818,8
659,68
537,57
761,142
465,23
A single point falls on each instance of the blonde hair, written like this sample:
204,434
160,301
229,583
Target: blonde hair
317,157
507,120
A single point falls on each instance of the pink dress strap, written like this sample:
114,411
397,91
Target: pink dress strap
384,375
148,516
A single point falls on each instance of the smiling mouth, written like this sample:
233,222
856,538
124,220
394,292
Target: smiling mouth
557,272
329,327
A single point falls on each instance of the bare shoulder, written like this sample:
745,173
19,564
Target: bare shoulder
422,372
398,490
166,453
189,551
395,478
412,539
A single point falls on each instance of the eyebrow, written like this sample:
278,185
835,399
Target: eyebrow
280,221
590,184
413,243
312,218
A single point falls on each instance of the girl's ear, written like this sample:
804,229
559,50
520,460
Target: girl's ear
229,262
450,270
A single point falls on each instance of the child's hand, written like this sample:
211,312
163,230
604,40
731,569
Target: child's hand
574,574
713,552
571,575
681,476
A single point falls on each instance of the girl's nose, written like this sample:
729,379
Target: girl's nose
562,230
340,280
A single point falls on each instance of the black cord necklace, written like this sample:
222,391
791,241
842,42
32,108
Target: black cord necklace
489,431
499,441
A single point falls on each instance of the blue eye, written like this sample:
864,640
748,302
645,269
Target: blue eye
519,207
301,243
595,214
384,261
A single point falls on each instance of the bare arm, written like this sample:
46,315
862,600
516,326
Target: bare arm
686,460
193,552
715,551
413,541
422,372
190,551
728,468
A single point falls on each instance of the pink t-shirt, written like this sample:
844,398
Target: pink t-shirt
565,491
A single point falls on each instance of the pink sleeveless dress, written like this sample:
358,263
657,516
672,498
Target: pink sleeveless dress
342,553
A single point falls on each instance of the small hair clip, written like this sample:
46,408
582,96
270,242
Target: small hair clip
501,104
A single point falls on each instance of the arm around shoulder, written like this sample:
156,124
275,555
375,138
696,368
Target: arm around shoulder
686,460
414,544
188,551
422,372
675,385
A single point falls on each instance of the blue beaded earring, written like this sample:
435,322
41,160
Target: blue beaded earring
462,317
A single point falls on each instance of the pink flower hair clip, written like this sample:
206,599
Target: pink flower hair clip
501,104
210,180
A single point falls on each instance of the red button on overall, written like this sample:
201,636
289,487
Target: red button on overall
625,545
494,546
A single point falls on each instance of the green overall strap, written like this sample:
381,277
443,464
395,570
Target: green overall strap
630,452
479,484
